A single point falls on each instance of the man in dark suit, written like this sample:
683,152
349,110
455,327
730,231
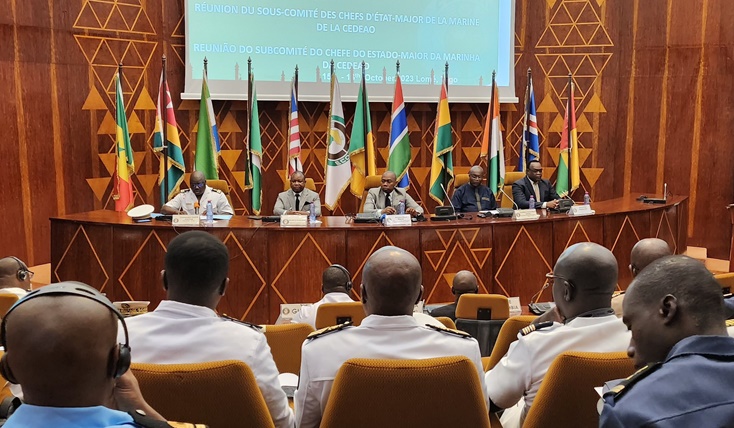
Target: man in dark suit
464,283
534,184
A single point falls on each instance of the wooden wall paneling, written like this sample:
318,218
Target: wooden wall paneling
447,250
139,257
664,225
522,255
83,252
567,233
621,233
248,275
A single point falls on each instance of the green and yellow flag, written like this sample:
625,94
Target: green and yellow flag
442,167
568,158
362,143
256,151
123,193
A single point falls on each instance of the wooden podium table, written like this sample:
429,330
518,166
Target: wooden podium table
270,265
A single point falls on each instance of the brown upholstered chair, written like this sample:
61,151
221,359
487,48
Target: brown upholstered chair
220,394
510,177
567,397
310,184
330,314
6,301
447,322
433,392
460,180
370,182
214,184
508,334
285,344
482,316
726,280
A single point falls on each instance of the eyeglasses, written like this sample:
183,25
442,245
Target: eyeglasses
29,273
550,279
474,176
197,185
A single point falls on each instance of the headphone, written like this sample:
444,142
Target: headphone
71,288
348,284
22,273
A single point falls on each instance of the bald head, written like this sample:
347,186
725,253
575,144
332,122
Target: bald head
464,282
63,364
476,173
197,176
9,267
391,282
647,251
585,276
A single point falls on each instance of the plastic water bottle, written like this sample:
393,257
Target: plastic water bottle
311,213
531,203
209,213
401,207
587,199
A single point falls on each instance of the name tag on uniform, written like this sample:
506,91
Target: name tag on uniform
185,220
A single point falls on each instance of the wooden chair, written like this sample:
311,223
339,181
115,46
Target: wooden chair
6,301
220,394
330,314
433,392
510,177
285,344
482,316
508,334
370,182
567,397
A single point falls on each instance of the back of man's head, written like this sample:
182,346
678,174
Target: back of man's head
61,349
196,269
585,277
14,273
335,280
647,251
464,282
391,282
672,298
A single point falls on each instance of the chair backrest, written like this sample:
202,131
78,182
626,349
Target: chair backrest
507,335
460,180
510,177
330,314
370,182
220,394
434,392
310,184
447,322
567,397
285,344
6,301
470,305
726,280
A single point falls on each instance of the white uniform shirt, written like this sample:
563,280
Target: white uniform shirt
424,319
178,333
307,314
399,337
186,199
14,290
521,371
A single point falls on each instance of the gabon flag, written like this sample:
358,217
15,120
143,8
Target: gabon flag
568,158
125,168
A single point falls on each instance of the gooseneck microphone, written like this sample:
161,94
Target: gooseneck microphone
453,208
511,199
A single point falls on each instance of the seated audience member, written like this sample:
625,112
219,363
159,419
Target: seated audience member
60,344
464,283
297,199
391,286
474,196
674,310
336,284
583,279
386,198
643,253
193,201
186,329
15,278
534,184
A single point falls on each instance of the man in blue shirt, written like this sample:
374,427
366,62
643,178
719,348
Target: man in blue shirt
474,196
675,312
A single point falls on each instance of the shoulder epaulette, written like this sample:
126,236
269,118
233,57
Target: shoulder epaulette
730,323
252,326
216,190
143,420
534,327
626,384
185,190
328,330
450,331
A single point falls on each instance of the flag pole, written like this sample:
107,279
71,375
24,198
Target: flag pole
116,195
446,78
163,94
568,143
491,122
524,147
295,85
446,82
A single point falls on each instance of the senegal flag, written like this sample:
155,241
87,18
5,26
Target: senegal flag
568,162
123,193
362,143
442,166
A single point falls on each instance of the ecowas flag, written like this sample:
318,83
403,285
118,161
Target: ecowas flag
338,166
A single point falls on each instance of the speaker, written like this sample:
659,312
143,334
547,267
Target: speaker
70,288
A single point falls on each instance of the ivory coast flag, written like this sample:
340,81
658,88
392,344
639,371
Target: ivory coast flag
568,158
442,166
362,143
338,167
256,150
123,194
492,144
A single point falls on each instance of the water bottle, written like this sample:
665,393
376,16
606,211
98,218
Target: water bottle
209,213
587,199
311,213
531,203
401,207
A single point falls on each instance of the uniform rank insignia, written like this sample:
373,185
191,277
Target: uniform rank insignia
450,331
626,384
328,330
534,327
252,326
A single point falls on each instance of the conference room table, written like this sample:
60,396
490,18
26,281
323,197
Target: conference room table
270,264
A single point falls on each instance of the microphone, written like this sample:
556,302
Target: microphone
511,199
536,296
665,191
447,196
196,207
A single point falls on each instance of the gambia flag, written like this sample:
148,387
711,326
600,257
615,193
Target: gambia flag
256,150
362,143
568,158
398,159
125,168
442,166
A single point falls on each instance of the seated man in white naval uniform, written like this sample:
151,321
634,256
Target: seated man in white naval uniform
193,201
186,329
391,286
583,279
336,284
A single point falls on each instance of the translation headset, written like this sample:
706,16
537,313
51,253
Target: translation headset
22,273
69,288
348,284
